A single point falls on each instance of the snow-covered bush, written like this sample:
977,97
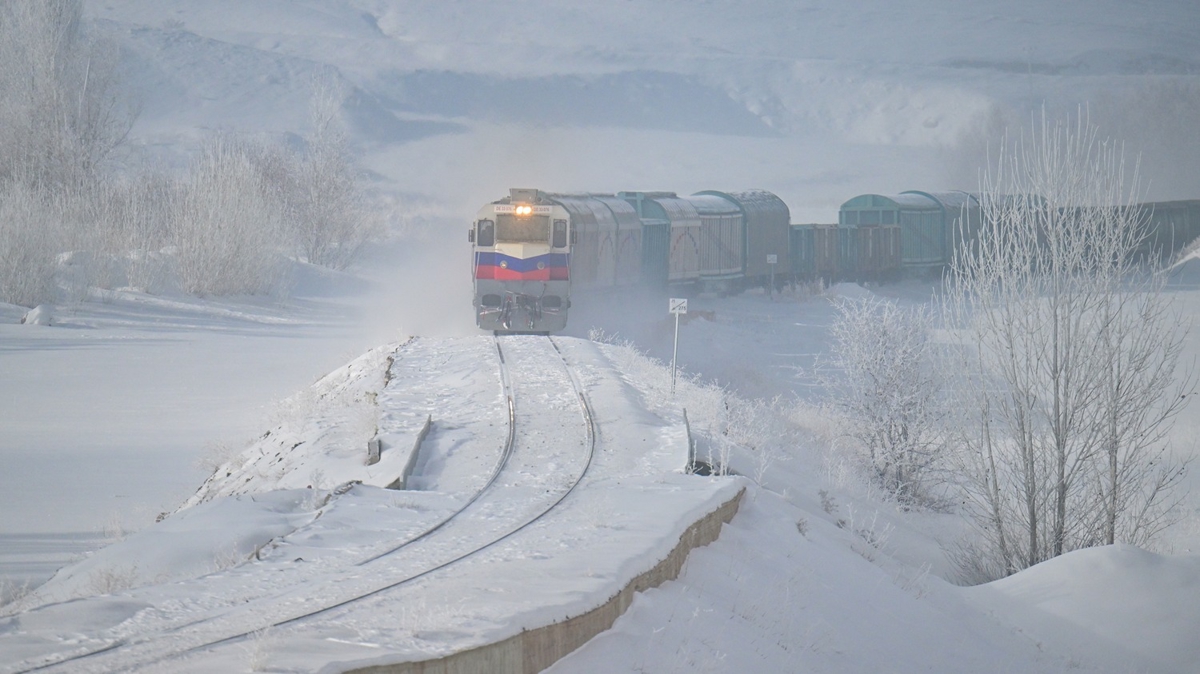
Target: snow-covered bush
228,224
887,391
30,239
221,230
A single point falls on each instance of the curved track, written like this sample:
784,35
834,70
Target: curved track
541,464
505,454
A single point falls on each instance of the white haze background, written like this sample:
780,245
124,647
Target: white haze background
106,415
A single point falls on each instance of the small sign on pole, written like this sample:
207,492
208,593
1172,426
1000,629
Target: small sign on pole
677,306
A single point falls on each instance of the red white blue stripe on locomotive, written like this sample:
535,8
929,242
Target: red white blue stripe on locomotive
549,267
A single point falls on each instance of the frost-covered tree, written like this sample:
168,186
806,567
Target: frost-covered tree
1069,356
888,391
61,106
326,215
222,229
246,204
1140,339
61,113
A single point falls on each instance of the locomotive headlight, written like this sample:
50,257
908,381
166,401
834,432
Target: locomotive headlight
523,210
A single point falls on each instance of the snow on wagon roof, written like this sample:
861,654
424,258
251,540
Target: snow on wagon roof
950,200
759,206
905,201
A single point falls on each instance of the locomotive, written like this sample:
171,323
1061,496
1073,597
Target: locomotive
522,274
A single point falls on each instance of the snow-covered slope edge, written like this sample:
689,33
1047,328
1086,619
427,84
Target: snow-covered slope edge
321,441
535,648
1141,602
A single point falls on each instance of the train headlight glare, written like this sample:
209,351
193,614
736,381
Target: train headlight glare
523,210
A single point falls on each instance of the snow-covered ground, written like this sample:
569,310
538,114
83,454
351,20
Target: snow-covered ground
800,580
107,411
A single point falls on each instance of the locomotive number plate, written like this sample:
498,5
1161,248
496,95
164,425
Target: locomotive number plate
510,208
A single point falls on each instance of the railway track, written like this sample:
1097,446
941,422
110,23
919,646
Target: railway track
550,446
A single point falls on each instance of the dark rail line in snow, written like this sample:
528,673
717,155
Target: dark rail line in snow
134,662
505,455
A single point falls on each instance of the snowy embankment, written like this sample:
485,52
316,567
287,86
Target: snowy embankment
250,553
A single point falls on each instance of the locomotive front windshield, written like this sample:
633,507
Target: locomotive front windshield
525,229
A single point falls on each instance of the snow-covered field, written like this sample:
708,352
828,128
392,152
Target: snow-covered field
109,413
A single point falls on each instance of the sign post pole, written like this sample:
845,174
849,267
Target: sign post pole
677,306
772,260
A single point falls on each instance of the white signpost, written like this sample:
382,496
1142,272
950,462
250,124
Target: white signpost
677,306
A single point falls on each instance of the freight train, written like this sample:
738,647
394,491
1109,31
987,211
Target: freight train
531,249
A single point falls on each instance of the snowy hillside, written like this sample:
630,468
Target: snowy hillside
816,101
248,418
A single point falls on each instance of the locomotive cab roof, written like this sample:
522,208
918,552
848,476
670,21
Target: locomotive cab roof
523,195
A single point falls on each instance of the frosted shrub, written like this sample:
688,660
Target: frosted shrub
887,391
218,454
111,580
30,239
259,650
227,225
11,593
135,216
763,430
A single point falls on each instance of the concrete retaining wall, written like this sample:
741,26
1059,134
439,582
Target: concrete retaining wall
536,649
402,481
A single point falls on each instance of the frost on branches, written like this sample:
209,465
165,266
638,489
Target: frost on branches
1068,354
888,393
